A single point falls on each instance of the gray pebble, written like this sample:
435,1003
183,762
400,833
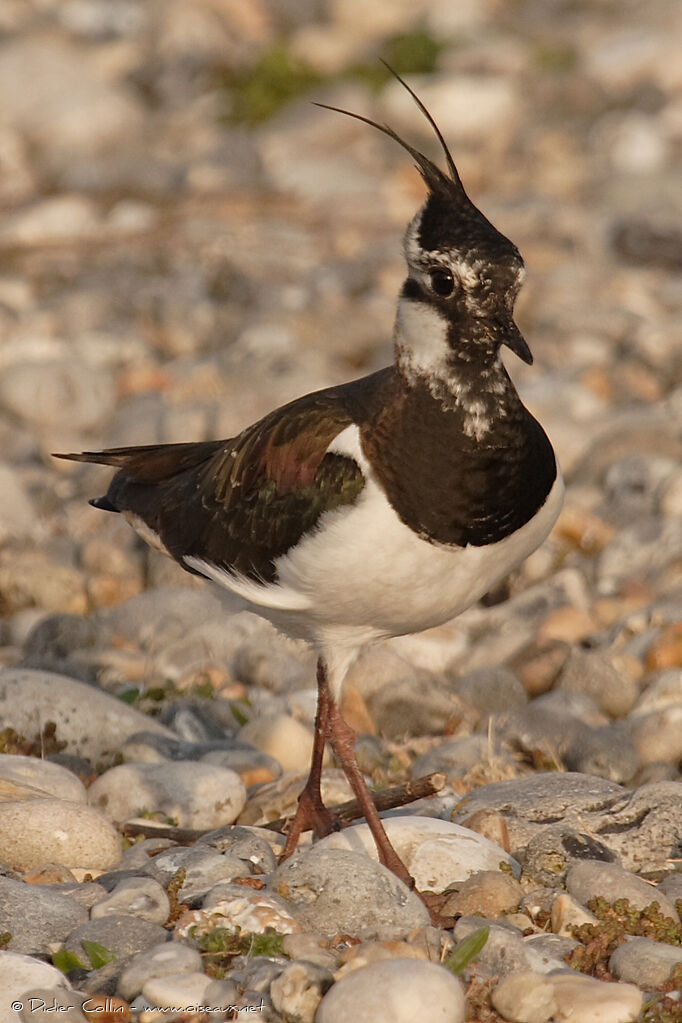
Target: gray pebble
92,723
490,691
645,962
204,868
455,757
37,920
121,934
550,854
167,959
242,843
505,951
196,795
46,778
607,752
592,672
590,879
141,897
331,890
65,1004
529,804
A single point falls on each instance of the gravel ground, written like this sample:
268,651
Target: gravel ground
185,243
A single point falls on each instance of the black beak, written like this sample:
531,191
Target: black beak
512,337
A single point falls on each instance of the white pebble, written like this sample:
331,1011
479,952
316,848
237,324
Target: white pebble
394,991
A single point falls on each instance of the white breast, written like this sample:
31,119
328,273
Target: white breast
363,575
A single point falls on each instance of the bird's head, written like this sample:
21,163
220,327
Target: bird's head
456,304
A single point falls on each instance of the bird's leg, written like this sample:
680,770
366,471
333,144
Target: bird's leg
311,811
342,739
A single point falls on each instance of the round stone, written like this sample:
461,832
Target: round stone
195,795
332,890
524,997
437,853
166,960
394,991
18,973
48,778
140,896
281,737
37,831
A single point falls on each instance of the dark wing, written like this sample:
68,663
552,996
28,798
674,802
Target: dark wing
242,503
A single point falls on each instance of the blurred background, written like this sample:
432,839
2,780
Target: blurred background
186,242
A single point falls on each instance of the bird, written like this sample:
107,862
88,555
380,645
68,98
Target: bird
375,508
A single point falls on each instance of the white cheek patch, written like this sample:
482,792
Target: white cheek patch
421,337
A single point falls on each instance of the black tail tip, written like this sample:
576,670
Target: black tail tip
103,503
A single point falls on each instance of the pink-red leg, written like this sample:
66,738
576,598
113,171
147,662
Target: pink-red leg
311,812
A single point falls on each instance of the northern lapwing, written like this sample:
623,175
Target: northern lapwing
379,507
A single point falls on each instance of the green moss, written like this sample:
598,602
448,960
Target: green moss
275,79
618,920
278,77
221,945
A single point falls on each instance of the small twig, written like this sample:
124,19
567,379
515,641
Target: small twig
387,799
346,812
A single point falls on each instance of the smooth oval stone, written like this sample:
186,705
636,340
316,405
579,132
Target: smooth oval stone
333,890
645,962
168,959
394,991
48,778
581,999
437,853
92,723
139,896
282,737
38,920
121,934
37,831
18,973
196,795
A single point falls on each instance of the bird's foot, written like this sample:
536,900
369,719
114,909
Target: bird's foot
311,815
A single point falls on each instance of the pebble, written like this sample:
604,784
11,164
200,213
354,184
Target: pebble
396,991
47,778
122,934
551,853
529,804
505,950
17,512
590,880
488,893
568,913
239,908
455,757
92,723
165,960
19,973
37,831
334,890
644,962
490,691
185,990
282,737
437,853
38,920
251,845
204,867
581,999
525,997
65,394
299,989
195,795
593,673
141,896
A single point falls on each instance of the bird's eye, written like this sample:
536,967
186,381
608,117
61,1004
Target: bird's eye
442,282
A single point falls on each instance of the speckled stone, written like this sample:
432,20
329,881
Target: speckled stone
331,890
196,795
122,934
37,831
91,722
140,896
436,852
37,920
